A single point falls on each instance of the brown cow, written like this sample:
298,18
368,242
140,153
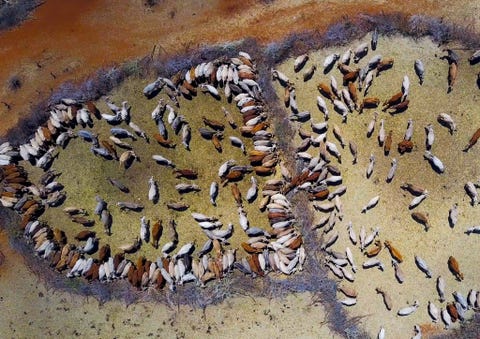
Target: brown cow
263,170
47,134
59,236
320,195
255,264
94,110
452,76
164,142
104,253
370,102
110,148
246,61
384,64
191,90
84,235
259,127
82,220
454,268
185,173
117,259
405,146
216,125
250,249
394,100
257,157
345,69
92,273
273,215
270,161
233,176
313,176
216,142
350,77
245,74
452,310
325,90
352,90
157,231
388,143
398,108
249,116
473,140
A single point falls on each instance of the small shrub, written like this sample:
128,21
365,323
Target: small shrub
27,125
293,42
12,14
251,45
389,24
15,82
340,33
151,3
272,51
65,90
417,25
439,31
175,64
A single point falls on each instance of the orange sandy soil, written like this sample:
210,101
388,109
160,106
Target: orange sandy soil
68,40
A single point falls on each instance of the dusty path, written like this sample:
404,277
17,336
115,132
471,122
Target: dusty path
68,41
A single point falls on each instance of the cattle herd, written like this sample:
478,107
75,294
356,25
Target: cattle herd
328,127
277,249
